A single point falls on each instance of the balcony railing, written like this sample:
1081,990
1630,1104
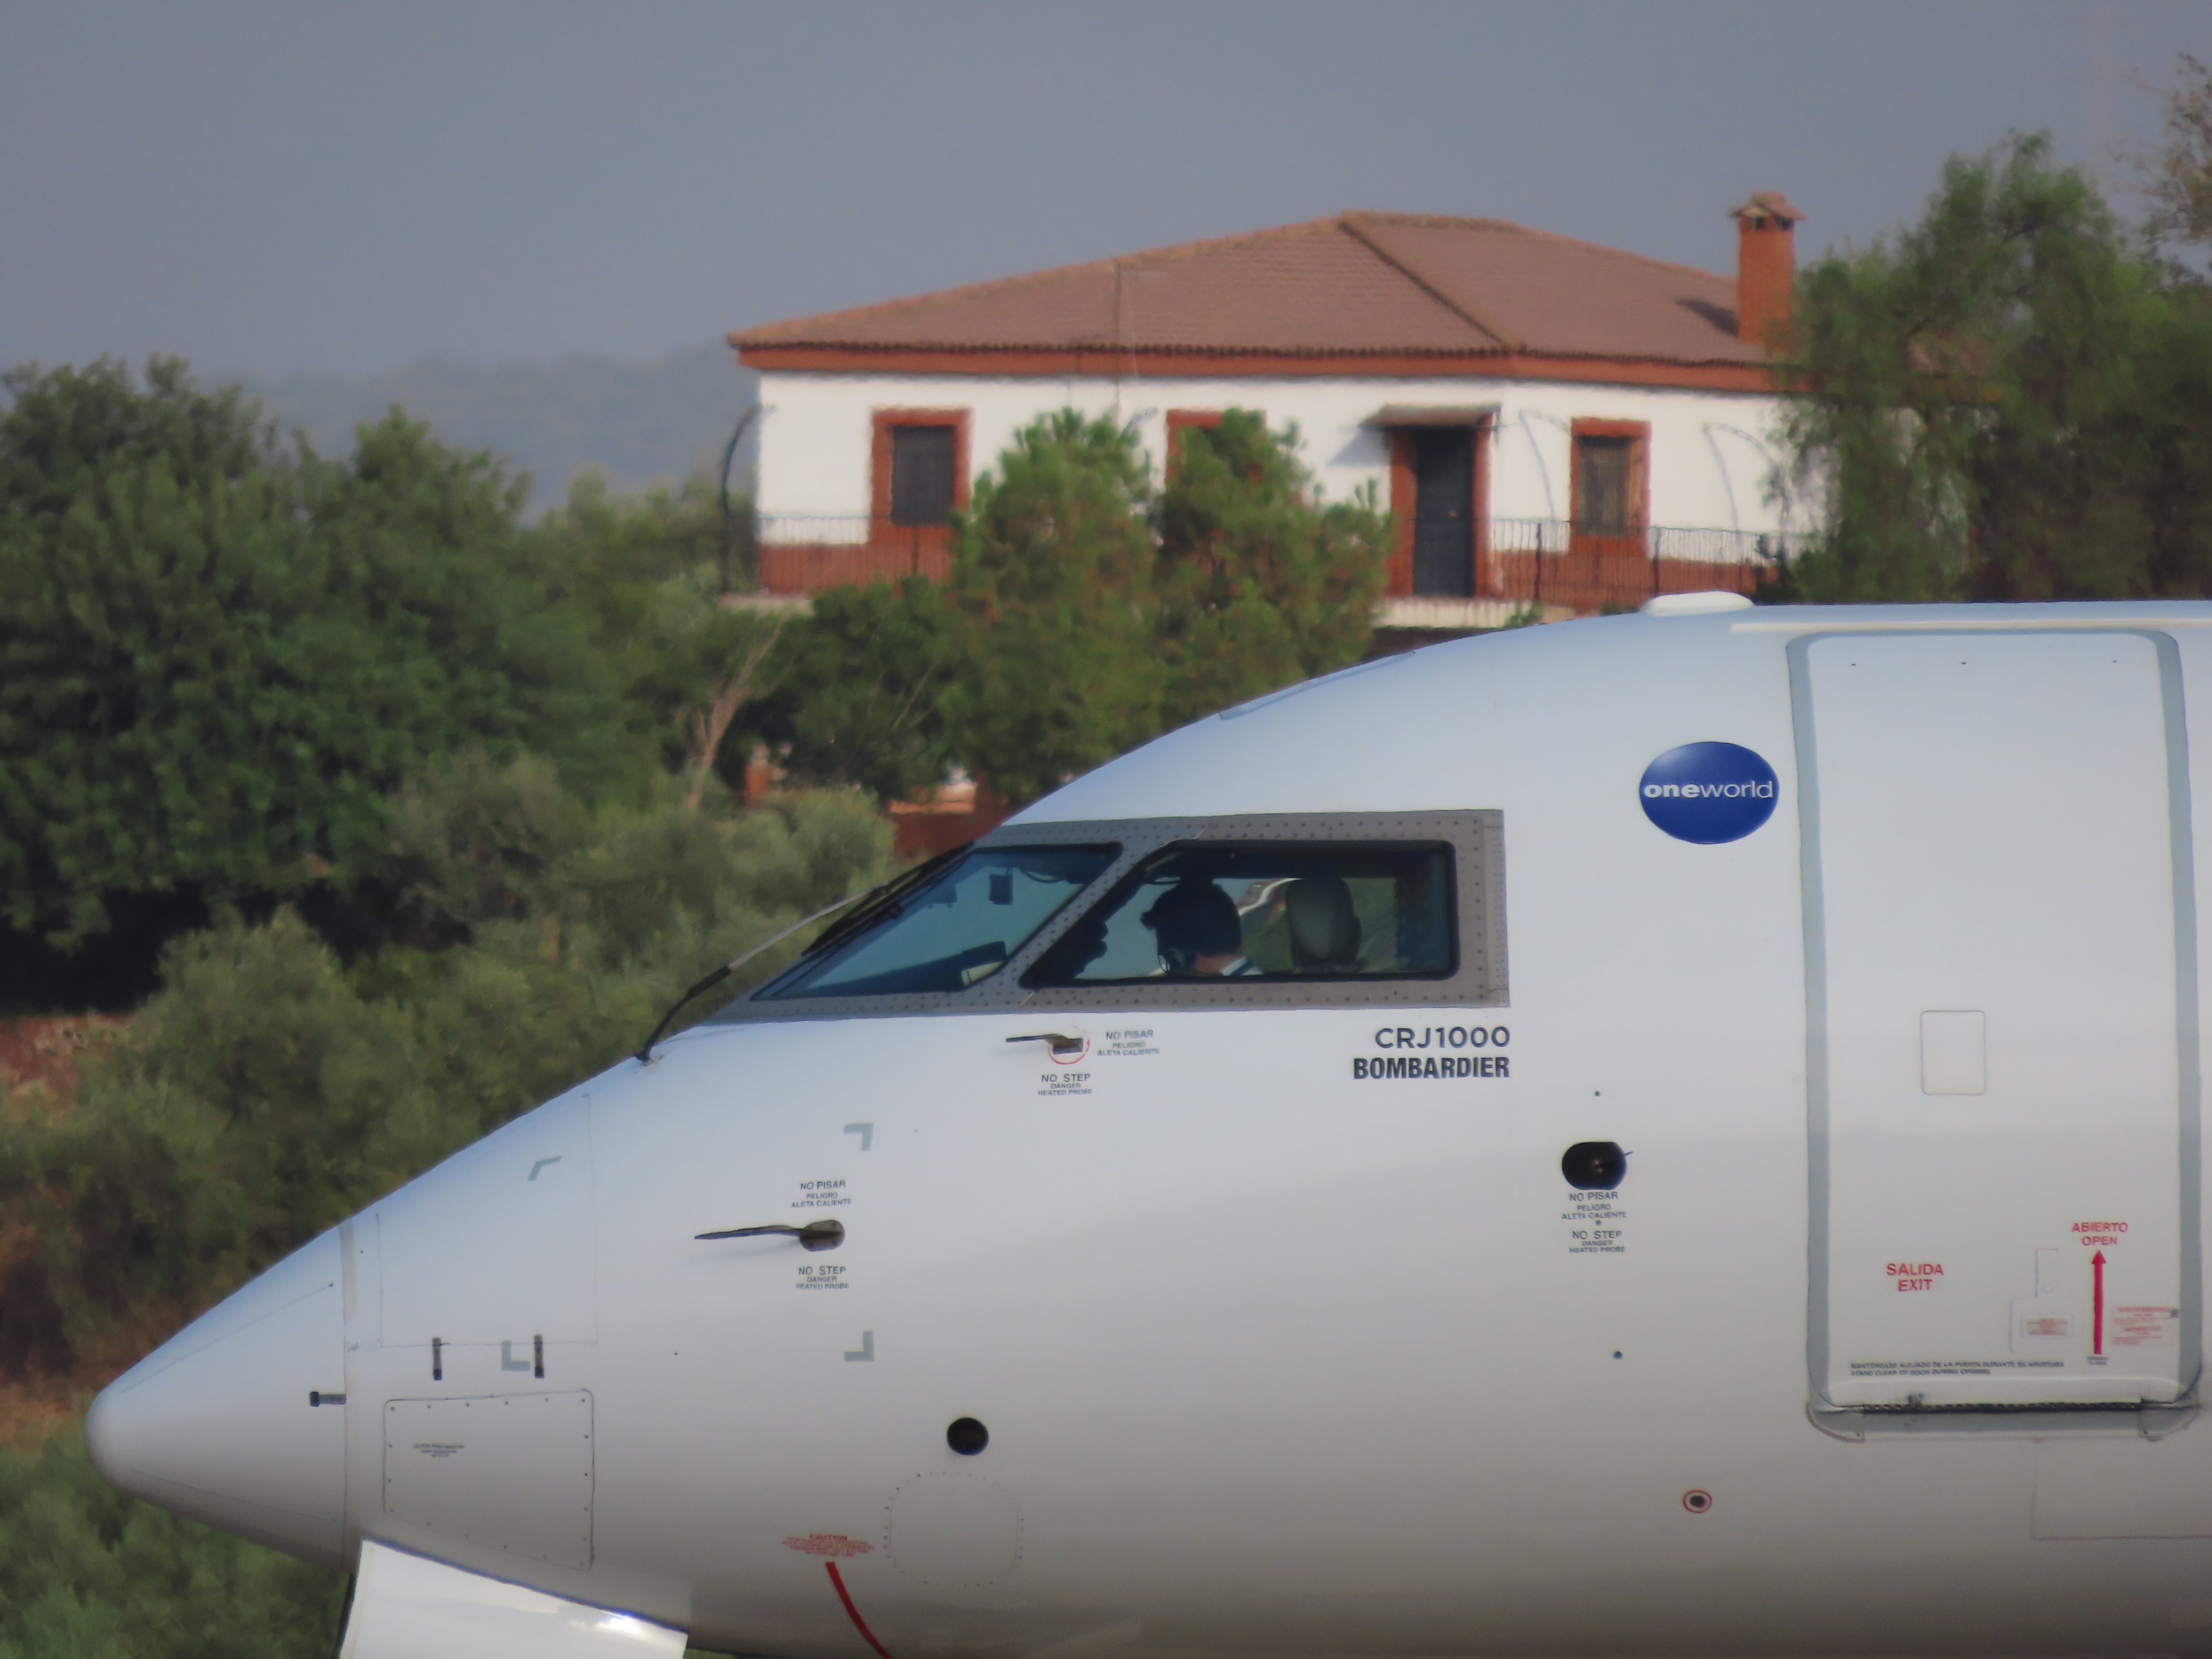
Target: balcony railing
1552,564
1546,563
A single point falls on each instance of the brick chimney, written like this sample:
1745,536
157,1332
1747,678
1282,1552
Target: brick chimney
1766,268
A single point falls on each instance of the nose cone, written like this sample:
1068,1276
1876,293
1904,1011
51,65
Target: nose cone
217,1423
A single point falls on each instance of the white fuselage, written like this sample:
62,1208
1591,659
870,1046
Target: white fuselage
1277,1358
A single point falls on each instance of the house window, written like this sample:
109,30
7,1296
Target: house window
1602,467
920,466
921,474
1609,479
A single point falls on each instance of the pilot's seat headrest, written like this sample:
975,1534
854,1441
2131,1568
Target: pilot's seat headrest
1324,930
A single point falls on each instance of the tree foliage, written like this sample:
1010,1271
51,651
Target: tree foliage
2177,177
643,574
215,661
1259,586
2006,401
1053,584
85,1571
1097,611
858,689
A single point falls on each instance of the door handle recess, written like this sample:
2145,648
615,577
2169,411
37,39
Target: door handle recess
814,1236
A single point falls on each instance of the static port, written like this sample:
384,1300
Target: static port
1697,1502
966,1437
1594,1166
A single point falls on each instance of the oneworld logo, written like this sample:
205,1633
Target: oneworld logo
1708,793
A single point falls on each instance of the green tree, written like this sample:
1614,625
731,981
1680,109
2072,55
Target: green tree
642,573
72,425
860,688
1052,581
1259,585
2006,401
217,661
85,1571
614,555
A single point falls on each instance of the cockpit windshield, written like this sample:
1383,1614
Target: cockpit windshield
950,931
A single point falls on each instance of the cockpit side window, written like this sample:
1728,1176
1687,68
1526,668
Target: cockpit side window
1254,910
1244,911
951,932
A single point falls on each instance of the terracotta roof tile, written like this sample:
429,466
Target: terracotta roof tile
1361,283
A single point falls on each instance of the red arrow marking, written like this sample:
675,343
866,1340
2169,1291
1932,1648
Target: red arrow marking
2097,1304
859,1624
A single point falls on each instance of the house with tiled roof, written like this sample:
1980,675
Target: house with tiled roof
1551,422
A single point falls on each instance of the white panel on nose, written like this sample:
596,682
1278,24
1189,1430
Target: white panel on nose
495,1244
512,1470
407,1607
217,1423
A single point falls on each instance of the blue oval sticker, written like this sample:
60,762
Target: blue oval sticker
1708,792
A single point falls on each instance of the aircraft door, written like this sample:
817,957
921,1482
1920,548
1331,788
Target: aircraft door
2000,967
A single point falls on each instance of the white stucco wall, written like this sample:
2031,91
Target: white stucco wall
1711,460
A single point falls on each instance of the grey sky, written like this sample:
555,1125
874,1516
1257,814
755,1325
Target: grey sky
273,187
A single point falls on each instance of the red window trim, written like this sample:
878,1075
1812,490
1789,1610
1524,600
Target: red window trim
1181,421
879,454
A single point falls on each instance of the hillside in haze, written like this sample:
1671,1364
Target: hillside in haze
635,422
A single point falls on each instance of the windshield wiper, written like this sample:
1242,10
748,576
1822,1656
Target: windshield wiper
883,902
876,903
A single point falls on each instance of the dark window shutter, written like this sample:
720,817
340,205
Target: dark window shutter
1443,513
1602,486
921,474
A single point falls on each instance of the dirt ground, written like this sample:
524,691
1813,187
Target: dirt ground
39,1057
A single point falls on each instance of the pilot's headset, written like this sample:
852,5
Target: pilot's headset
1194,919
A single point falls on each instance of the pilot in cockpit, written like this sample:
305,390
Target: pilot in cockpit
1198,933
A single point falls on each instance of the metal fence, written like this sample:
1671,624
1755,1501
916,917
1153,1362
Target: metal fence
1546,562
1552,564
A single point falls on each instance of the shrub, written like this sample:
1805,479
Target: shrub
85,1571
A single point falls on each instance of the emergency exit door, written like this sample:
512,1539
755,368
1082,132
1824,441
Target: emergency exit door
2001,985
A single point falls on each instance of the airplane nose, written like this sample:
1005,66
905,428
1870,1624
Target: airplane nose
238,1420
